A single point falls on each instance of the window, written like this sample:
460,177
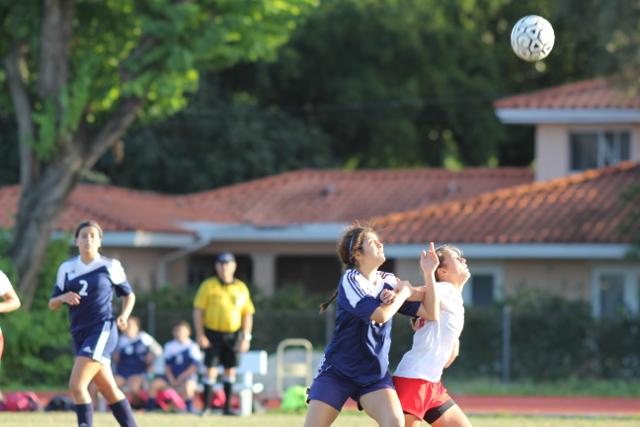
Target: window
616,292
483,287
598,149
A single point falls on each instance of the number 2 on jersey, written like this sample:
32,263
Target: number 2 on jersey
83,290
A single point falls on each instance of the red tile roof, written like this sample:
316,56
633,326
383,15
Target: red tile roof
588,94
582,208
116,209
313,196
305,196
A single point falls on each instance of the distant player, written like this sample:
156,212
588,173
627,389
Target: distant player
182,360
86,284
10,302
435,346
134,358
356,361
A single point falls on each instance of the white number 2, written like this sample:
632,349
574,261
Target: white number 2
83,290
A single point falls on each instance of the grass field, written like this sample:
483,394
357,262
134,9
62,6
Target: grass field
347,419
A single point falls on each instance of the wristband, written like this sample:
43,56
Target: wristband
247,337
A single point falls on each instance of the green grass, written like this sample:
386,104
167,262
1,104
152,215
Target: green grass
347,419
566,387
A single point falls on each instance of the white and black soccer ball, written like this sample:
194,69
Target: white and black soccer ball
532,38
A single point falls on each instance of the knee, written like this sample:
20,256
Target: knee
394,420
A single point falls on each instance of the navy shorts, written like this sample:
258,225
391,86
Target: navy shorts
334,388
96,342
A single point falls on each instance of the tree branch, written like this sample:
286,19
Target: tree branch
94,146
55,46
16,67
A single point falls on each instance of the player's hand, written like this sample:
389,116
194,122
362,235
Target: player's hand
404,288
122,322
244,346
429,260
70,298
203,341
387,296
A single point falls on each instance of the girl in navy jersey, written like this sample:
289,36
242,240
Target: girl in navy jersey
86,284
134,358
435,346
356,360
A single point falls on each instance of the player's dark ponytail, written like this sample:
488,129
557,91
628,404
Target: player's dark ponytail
350,243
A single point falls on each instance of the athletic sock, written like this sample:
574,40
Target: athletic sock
84,413
206,397
189,403
123,413
151,404
227,395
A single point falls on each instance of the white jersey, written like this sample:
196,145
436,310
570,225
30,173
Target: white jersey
5,284
433,342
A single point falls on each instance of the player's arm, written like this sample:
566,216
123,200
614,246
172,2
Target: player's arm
386,311
70,298
430,307
128,301
247,327
10,301
187,373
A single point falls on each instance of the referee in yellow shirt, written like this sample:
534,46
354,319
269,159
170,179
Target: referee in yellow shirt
223,319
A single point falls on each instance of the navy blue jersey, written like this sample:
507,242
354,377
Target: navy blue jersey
94,282
180,356
133,353
359,348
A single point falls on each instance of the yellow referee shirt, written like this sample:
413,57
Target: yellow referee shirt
223,305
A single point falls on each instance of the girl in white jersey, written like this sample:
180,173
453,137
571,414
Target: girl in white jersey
356,360
10,302
435,346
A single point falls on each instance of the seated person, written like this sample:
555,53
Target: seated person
182,360
134,358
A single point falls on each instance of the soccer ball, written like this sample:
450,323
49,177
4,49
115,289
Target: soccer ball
532,38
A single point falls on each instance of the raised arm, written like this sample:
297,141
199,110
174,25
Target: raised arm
430,308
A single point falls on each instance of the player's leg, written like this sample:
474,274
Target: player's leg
115,397
320,414
134,383
211,362
188,391
411,420
229,357
452,417
121,381
326,396
158,384
84,369
383,406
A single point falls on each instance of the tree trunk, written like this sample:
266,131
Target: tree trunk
40,206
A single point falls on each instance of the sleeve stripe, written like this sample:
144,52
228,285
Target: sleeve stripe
353,282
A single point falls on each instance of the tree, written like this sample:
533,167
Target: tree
80,72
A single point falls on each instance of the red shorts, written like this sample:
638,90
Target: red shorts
422,399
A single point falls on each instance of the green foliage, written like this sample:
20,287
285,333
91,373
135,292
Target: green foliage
38,348
40,335
235,141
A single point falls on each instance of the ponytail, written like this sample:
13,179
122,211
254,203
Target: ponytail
325,305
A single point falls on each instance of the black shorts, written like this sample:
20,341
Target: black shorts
222,350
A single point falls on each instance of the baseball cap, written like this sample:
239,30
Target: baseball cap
225,257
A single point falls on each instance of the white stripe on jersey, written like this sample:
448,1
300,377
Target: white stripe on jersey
98,353
74,267
356,286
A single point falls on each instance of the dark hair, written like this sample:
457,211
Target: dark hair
440,250
183,324
349,244
89,223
